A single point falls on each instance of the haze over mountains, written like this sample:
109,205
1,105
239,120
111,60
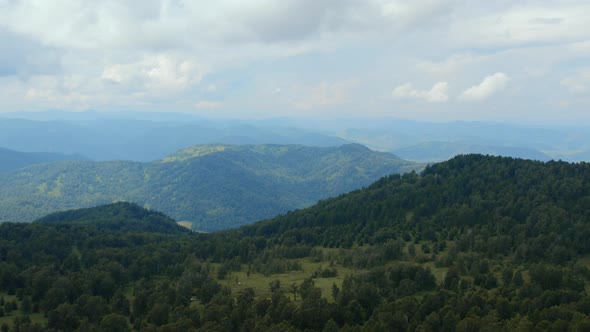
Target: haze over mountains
237,184
213,186
150,136
438,151
142,140
512,140
11,160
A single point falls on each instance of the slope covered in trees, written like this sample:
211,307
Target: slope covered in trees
212,186
488,196
121,216
475,243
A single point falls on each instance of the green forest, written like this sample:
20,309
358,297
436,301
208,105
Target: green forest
212,186
477,243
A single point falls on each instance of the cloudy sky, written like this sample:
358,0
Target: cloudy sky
499,60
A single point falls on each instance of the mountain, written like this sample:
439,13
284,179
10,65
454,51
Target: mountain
388,134
11,160
491,195
574,155
143,140
144,136
149,136
439,151
476,243
212,186
121,216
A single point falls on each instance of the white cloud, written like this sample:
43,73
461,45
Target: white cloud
208,104
523,25
487,88
579,83
447,67
169,54
174,24
438,93
47,91
323,94
157,73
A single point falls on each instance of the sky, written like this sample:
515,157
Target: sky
438,60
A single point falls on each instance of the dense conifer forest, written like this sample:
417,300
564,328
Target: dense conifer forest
476,243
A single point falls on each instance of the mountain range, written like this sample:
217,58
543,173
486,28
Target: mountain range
145,136
212,186
509,140
143,140
438,151
11,160
475,243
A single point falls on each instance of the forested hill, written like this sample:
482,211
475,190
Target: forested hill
121,216
495,204
212,186
11,160
472,244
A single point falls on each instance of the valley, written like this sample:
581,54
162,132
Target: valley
212,186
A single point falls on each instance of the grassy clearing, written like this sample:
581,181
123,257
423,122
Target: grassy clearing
438,272
238,281
9,317
585,261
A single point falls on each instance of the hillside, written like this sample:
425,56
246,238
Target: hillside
121,216
474,243
212,186
11,160
490,196
433,151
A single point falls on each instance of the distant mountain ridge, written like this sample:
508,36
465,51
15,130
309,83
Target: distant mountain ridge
212,186
389,134
433,151
11,159
148,136
141,140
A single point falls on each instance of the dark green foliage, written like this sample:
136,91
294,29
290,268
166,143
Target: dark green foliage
114,323
63,318
496,206
122,216
508,239
213,186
